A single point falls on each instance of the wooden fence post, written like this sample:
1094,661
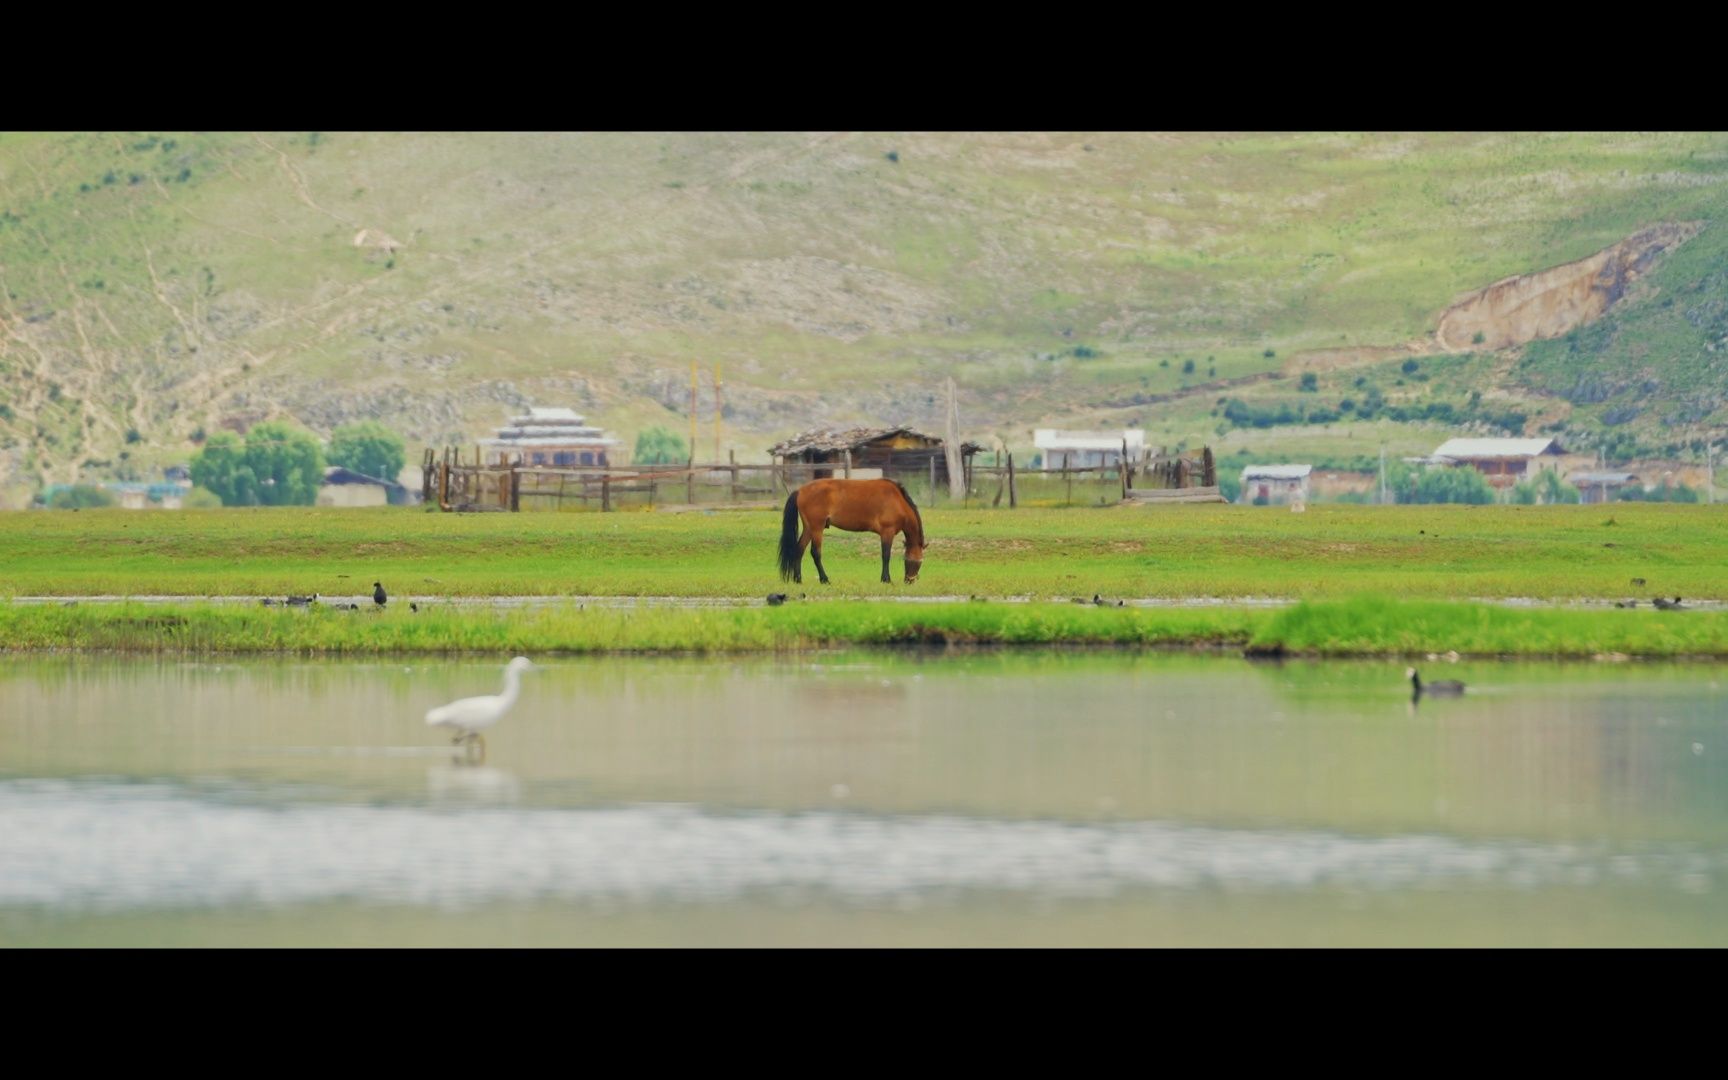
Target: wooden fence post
732,456
848,464
1069,474
515,489
690,479
606,493
1209,468
1013,499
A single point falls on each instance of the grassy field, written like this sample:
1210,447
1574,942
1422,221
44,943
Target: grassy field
1450,552
1357,627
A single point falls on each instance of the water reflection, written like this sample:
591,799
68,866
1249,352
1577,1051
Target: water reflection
98,846
865,780
465,780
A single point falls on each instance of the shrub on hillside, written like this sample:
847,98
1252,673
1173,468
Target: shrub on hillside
660,446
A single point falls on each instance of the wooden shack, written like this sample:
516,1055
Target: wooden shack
1503,461
898,453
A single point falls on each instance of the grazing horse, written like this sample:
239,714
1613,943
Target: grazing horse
878,506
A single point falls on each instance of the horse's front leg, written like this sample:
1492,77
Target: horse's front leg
887,551
816,555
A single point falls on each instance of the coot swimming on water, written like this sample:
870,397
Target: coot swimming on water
1439,688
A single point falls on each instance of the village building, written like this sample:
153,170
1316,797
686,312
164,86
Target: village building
1600,487
1275,485
346,488
556,437
1503,461
898,453
1087,449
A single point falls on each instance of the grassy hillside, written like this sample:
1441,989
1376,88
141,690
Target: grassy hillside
156,287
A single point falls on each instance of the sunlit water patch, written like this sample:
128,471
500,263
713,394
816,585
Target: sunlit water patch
99,846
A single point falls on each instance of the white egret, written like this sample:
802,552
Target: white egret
470,716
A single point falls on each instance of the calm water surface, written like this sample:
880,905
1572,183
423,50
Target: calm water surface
864,798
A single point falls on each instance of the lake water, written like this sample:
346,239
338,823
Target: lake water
863,798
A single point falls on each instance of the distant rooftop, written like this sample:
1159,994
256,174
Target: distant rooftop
822,439
1473,449
336,474
1276,472
1602,478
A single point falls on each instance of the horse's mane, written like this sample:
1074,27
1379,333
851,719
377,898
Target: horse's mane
914,506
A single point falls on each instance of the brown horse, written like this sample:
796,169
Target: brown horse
878,506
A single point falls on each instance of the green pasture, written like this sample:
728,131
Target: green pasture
1451,552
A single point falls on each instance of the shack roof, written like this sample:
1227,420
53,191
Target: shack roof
1602,478
1491,449
1276,472
822,439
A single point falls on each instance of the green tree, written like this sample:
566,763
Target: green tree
287,462
221,468
1458,484
368,447
200,499
1552,489
660,446
79,497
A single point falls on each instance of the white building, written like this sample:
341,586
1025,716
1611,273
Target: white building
1276,484
1087,449
549,437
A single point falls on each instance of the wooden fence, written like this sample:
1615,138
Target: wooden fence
468,486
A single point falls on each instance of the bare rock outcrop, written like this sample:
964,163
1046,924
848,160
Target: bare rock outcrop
1551,302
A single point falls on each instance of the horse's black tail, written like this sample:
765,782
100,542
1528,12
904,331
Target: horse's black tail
789,557
915,512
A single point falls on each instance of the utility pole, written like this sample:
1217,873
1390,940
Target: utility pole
692,410
951,448
1710,473
1382,474
718,409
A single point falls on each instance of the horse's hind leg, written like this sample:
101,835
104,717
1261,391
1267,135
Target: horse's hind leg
798,571
816,555
887,551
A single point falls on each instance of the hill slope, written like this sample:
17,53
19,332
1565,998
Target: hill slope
157,287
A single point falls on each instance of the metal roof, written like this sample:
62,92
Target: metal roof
1602,478
336,474
548,430
1052,439
1466,449
561,440
1275,472
852,439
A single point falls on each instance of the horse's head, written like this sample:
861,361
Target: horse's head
914,560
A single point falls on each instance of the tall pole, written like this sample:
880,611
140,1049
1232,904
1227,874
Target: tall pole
1382,474
718,409
692,410
951,447
1710,473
